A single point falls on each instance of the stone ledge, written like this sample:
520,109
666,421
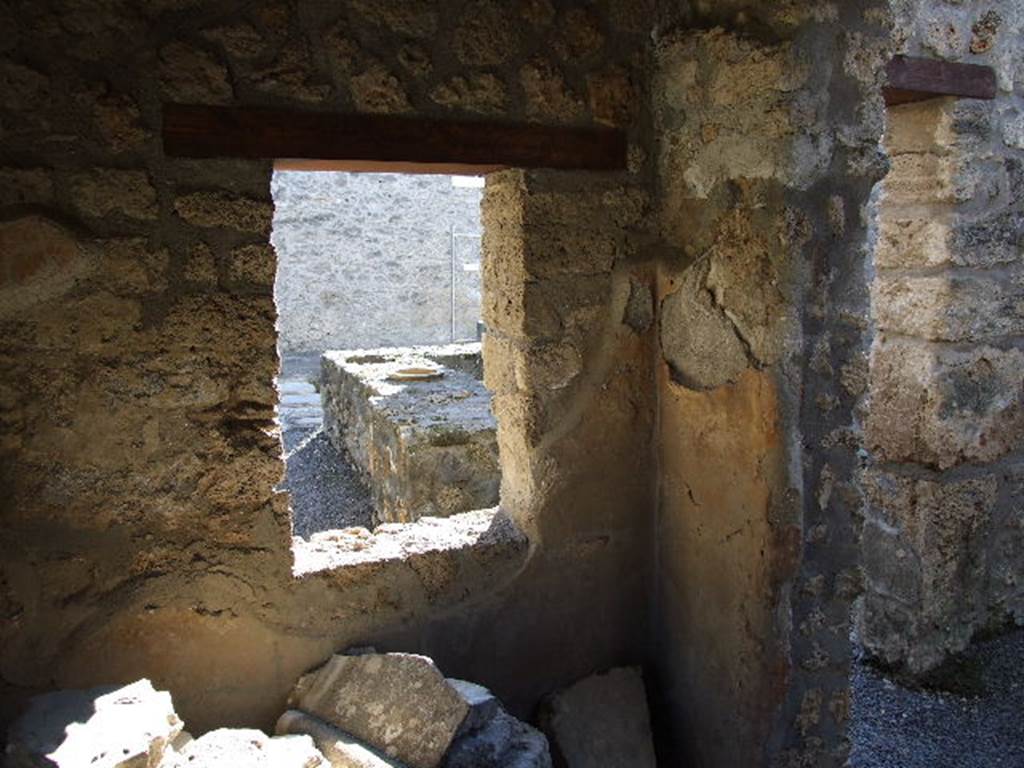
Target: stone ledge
461,541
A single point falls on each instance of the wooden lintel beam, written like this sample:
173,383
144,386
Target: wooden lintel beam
914,79
382,142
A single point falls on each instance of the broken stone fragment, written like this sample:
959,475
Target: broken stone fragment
247,748
398,703
107,727
483,705
502,742
341,749
601,722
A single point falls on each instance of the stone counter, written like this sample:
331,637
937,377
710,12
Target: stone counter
424,448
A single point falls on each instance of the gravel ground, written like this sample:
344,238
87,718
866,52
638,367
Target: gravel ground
981,725
325,488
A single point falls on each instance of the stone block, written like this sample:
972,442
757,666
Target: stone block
104,727
920,127
424,448
920,179
908,241
501,742
398,703
925,561
950,307
942,407
601,722
483,705
248,748
108,191
221,209
341,750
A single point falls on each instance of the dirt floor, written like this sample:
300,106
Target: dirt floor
973,716
326,491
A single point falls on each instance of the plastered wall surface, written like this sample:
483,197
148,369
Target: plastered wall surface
766,160
365,260
141,533
944,538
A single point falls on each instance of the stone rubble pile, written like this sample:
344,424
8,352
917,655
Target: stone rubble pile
361,710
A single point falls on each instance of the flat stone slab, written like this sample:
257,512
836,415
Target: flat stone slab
397,703
105,727
247,748
424,448
601,722
342,750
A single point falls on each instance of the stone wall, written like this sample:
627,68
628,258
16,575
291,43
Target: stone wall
944,538
766,160
365,260
680,498
141,534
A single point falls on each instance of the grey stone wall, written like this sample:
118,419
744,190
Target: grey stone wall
366,260
944,535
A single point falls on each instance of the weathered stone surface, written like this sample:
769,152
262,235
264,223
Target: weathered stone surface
601,722
699,342
926,564
339,748
398,703
942,407
639,313
128,727
38,260
248,748
219,209
109,191
483,705
953,307
501,742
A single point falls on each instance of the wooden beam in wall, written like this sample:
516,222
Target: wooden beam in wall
914,79
384,142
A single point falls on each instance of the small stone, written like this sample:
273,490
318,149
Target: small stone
219,209
377,90
248,748
397,702
483,705
103,727
339,748
192,75
480,93
601,722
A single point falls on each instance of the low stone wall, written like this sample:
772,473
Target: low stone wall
424,448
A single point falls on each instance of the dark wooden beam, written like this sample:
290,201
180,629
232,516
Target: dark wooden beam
381,142
913,79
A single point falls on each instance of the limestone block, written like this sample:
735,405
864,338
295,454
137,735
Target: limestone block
129,727
339,748
954,307
942,407
921,127
39,260
248,748
399,703
502,742
601,722
189,74
912,241
483,93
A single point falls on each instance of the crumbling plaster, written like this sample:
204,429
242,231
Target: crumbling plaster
141,533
